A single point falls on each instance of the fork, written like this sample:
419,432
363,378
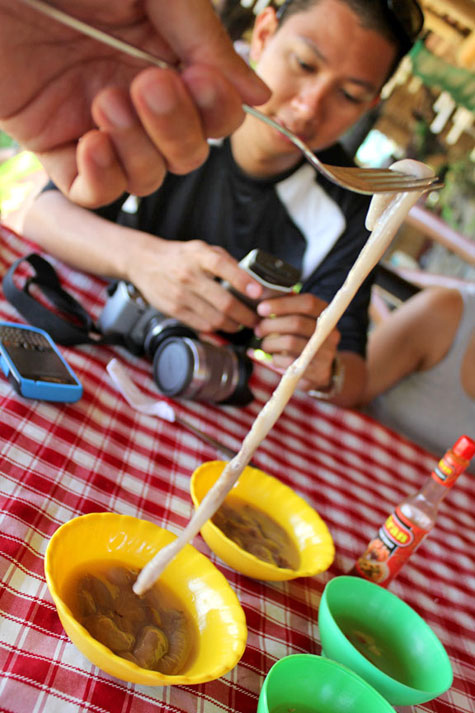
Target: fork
359,180
157,407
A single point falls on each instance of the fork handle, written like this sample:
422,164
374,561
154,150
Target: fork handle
207,439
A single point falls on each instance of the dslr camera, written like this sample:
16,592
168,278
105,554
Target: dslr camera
184,365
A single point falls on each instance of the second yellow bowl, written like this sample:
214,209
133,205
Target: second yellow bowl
301,522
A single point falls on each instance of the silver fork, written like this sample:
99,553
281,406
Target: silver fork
358,180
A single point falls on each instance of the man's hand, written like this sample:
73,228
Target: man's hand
286,325
183,279
98,120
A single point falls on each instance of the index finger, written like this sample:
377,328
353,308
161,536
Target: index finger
304,304
222,265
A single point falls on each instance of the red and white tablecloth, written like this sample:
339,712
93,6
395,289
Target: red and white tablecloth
60,461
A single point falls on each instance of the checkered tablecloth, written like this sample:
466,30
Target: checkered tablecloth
60,461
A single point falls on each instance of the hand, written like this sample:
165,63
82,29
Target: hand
179,279
285,328
102,124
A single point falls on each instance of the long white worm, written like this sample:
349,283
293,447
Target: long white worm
386,214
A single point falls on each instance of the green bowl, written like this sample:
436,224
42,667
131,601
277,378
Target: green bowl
303,683
380,637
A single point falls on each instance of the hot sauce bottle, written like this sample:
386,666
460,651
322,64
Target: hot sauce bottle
412,520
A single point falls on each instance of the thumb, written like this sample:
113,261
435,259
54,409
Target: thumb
194,32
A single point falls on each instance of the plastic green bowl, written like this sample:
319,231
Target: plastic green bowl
380,637
303,683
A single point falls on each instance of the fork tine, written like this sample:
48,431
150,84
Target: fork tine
383,173
359,180
371,180
383,176
392,177
380,180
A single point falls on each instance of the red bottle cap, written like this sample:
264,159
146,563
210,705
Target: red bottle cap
464,447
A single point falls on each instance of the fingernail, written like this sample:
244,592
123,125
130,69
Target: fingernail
261,355
103,155
205,95
160,97
118,112
253,290
264,309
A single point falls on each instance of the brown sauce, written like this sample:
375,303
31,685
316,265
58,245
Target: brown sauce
257,533
152,630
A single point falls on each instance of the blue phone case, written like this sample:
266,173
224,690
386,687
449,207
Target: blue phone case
51,389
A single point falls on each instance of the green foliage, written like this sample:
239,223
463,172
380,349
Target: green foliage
457,198
6,141
13,186
436,72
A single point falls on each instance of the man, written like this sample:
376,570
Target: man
325,61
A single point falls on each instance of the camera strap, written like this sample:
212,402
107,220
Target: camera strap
70,323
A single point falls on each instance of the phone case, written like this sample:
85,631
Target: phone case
21,349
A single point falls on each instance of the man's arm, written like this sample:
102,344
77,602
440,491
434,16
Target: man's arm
414,337
176,277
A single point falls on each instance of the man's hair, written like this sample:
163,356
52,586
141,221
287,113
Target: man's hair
373,15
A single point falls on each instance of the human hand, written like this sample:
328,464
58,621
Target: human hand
286,325
180,279
102,124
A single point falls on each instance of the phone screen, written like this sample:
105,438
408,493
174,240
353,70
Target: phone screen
34,357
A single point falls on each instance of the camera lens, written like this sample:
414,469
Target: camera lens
202,371
159,328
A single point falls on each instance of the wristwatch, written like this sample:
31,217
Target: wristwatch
337,379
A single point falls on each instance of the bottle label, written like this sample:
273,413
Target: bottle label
395,542
448,470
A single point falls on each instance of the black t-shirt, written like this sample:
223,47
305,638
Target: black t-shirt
221,205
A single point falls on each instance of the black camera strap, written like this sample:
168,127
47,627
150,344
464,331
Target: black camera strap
68,323
75,327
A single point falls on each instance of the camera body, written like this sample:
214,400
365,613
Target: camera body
140,326
184,365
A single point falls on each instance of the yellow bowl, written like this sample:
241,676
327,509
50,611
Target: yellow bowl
302,523
202,590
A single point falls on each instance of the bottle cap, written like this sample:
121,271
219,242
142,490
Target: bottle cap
464,447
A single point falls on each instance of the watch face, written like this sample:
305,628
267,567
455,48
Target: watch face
338,371
336,382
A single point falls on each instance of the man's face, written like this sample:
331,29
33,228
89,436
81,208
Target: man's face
324,71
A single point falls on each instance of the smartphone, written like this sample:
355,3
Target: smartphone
275,275
33,364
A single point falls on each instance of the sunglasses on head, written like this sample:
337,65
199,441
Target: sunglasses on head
405,16
407,20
